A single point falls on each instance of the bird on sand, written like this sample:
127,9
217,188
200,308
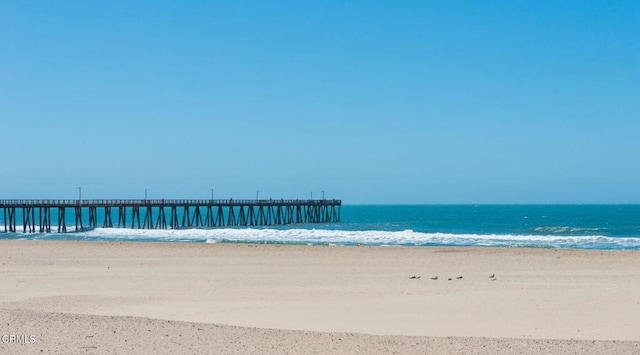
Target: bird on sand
493,276
459,277
434,278
415,277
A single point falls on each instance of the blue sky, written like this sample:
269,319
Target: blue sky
422,102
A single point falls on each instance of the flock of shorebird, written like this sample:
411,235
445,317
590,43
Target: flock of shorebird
492,277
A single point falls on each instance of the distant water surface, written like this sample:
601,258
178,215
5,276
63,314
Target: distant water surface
541,226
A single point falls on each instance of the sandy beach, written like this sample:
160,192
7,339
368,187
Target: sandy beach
98,297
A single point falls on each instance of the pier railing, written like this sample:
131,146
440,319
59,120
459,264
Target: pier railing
152,213
155,202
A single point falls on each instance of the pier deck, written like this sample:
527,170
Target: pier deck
164,213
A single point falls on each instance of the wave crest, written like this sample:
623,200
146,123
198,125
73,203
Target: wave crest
406,237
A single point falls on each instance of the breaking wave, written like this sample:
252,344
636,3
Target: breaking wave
341,237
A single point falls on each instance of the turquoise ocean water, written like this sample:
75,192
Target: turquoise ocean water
540,226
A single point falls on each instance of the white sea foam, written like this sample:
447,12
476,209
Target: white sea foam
566,229
346,237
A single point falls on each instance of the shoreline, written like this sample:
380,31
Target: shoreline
569,295
143,240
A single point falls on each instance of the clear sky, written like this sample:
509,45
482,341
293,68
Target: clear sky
373,102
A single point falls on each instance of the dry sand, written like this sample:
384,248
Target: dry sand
94,297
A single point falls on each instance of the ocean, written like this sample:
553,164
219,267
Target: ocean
600,227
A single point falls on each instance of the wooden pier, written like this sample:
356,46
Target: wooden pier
165,214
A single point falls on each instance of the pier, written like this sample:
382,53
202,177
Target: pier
164,214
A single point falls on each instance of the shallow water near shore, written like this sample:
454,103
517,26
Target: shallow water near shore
600,227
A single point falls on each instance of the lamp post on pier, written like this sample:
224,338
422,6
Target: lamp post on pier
322,194
79,193
145,193
211,194
257,193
